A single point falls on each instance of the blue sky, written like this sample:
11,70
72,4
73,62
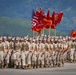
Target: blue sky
23,8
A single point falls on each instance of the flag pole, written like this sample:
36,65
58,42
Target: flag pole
36,34
49,31
55,32
33,34
43,32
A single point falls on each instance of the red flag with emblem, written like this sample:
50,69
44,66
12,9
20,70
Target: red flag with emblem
47,20
57,17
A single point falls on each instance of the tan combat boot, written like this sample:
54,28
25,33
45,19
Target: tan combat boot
15,66
6,66
29,66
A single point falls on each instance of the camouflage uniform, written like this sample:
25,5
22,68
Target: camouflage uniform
41,54
75,55
29,56
34,57
7,52
1,55
24,53
55,55
17,54
72,54
11,48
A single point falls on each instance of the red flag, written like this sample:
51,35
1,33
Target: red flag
37,24
34,21
57,17
37,12
40,20
73,34
47,20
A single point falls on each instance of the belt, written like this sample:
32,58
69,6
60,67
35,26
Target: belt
16,51
1,50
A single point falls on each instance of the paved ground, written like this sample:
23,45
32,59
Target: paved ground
68,69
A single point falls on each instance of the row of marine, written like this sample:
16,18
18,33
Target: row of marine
37,52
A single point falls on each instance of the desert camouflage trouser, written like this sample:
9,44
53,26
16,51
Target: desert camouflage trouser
46,59
34,60
1,58
16,57
41,59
